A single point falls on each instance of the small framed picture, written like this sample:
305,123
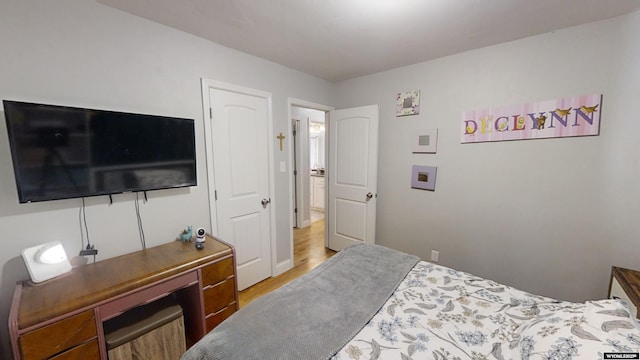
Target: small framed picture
425,141
408,103
423,177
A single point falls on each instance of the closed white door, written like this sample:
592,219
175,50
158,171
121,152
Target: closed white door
241,194
353,172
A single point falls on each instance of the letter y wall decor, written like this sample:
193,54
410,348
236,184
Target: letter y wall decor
566,117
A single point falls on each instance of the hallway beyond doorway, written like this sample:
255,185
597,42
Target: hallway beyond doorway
315,216
308,252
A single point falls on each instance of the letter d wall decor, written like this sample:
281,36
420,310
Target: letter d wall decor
566,117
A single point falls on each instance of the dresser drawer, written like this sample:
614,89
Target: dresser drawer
59,336
219,296
214,273
90,350
214,320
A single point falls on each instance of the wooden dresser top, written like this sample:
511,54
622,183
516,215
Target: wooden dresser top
90,284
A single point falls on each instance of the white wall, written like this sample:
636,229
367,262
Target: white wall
321,148
548,216
79,53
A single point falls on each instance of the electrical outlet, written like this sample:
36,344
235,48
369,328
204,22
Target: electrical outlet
435,255
89,251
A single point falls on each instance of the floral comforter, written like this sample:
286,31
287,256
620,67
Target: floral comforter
440,313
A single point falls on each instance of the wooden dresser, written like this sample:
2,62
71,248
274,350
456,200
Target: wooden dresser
625,285
63,318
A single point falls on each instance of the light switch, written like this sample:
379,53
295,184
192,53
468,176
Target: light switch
283,166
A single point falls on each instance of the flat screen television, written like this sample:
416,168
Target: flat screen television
62,152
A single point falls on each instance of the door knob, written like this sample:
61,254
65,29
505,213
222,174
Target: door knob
369,196
265,202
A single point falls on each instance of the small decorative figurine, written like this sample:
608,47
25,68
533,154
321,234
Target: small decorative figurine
589,109
563,112
540,121
186,234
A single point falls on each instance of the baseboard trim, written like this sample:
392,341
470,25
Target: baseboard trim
283,266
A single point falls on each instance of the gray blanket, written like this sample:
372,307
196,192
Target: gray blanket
314,316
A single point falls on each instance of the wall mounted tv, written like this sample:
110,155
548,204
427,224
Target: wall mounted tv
64,152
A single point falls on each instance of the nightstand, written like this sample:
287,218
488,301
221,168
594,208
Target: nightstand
625,285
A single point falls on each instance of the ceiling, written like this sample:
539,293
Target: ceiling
342,39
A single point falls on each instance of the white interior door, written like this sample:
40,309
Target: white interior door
353,170
240,148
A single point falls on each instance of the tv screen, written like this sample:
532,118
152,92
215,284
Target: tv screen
64,152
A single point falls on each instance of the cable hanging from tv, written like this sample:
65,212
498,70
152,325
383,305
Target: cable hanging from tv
143,241
90,248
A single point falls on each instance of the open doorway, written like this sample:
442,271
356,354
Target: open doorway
309,144
308,178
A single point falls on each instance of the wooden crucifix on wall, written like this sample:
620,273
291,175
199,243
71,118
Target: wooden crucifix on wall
280,137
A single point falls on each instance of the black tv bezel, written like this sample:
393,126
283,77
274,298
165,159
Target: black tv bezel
15,161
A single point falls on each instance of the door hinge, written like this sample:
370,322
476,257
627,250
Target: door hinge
210,113
295,172
295,210
215,194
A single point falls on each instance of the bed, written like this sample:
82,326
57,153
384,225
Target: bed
371,302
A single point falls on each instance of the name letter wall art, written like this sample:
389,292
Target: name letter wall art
566,117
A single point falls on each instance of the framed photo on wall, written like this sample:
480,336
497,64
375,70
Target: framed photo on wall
425,141
408,103
423,177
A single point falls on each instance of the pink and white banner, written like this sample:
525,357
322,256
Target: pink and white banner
573,116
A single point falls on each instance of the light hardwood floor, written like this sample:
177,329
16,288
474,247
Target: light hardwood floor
308,252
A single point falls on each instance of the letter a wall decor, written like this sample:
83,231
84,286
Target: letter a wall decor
566,117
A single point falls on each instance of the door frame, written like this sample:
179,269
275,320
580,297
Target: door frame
208,84
327,109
